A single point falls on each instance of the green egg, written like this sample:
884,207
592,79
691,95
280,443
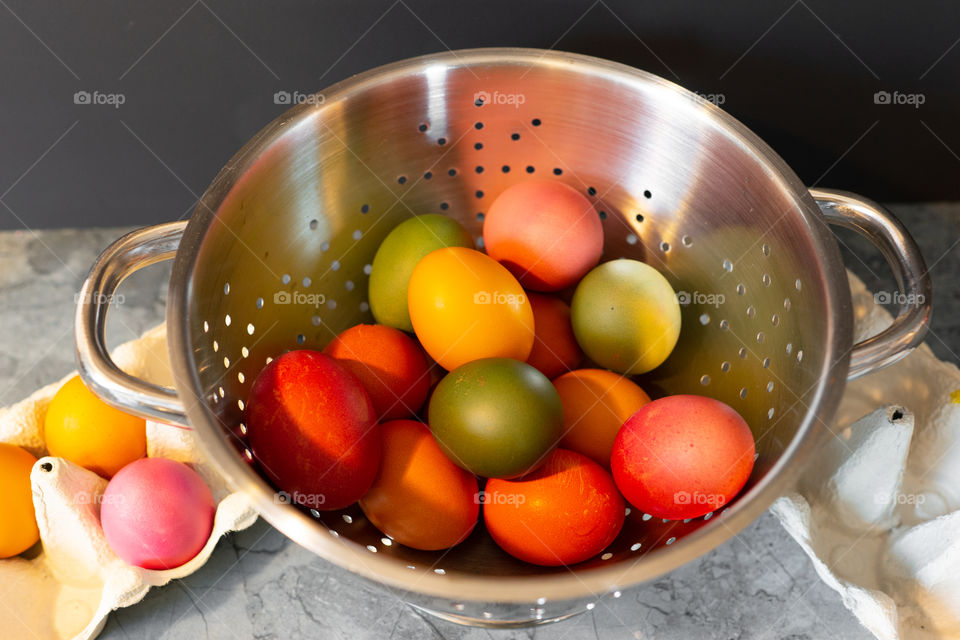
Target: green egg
496,417
625,316
398,254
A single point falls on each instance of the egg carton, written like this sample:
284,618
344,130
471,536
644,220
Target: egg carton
879,515
64,587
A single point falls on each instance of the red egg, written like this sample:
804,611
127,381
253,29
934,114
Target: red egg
682,456
545,232
555,349
389,363
312,430
564,512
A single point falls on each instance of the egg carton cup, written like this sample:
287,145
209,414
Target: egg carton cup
64,587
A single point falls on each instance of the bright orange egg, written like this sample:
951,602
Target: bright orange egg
18,525
564,512
420,498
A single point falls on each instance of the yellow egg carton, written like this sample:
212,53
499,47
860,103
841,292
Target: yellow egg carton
64,587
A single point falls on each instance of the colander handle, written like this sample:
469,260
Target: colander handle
130,253
886,232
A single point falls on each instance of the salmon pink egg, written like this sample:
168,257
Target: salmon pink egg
157,513
545,232
682,456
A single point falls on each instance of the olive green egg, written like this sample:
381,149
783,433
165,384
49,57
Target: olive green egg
398,254
496,417
625,316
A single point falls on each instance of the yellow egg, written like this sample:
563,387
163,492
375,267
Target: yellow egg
88,432
18,524
464,305
625,316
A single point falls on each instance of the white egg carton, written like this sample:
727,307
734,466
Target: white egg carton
879,514
65,587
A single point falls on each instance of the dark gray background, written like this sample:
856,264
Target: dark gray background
198,79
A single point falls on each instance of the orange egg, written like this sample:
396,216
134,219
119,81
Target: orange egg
88,432
465,306
565,512
18,524
390,364
596,403
547,233
420,498
555,349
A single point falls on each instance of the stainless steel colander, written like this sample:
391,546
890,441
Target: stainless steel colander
276,256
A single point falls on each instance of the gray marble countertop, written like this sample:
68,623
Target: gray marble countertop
260,585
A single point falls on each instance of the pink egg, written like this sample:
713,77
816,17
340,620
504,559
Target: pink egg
157,513
545,232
